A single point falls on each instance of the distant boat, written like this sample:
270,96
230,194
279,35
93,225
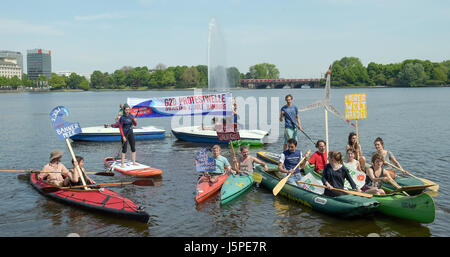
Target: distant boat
199,135
102,134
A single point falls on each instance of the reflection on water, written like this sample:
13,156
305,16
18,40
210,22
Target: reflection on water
171,201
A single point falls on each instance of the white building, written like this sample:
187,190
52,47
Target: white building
9,68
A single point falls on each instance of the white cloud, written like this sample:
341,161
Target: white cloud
101,16
20,27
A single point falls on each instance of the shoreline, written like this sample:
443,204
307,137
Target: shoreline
188,89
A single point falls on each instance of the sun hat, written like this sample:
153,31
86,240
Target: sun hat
55,154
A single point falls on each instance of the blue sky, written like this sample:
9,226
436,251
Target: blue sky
302,38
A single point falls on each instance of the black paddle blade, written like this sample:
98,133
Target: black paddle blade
106,173
144,182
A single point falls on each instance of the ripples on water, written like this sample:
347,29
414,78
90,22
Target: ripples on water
412,122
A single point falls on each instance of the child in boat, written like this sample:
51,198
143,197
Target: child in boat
75,178
52,172
334,175
222,164
288,160
354,144
376,175
319,158
245,162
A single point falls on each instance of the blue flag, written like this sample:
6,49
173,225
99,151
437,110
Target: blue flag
204,163
63,128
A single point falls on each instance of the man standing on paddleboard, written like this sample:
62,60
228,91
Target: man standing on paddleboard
292,121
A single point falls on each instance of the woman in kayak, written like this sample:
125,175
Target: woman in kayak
350,162
222,164
334,175
376,175
245,162
354,144
53,171
126,130
75,178
387,155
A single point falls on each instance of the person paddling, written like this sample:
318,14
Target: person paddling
222,164
350,162
245,162
376,175
289,160
55,173
387,155
319,158
334,175
126,122
52,173
75,178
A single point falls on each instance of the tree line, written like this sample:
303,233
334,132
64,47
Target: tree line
349,71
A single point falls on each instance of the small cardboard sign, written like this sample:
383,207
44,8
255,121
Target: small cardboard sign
203,162
228,132
355,106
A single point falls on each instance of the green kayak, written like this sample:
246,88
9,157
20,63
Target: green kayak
342,206
234,186
418,208
247,142
387,187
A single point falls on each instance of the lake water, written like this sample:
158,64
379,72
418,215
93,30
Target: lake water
413,122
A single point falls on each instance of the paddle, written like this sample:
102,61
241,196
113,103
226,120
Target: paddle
410,188
396,185
142,182
338,189
101,173
433,187
290,118
282,182
257,177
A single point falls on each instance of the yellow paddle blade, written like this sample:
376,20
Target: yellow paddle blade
435,186
257,177
280,185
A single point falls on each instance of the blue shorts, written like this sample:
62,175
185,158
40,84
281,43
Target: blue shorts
294,178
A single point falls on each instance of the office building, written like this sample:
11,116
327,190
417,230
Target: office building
39,62
6,54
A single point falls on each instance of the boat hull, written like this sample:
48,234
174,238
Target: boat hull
234,186
205,189
103,200
101,134
139,170
196,134
342,206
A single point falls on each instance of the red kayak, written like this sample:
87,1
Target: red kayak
139,170
102,200
205,189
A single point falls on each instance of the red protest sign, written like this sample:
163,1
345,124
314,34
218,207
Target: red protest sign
228,132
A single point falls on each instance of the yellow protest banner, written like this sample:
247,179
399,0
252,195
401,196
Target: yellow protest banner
355,107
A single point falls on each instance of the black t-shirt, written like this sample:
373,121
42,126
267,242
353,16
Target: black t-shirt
336,178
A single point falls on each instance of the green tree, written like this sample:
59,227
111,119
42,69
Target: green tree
74,80
412,75
118,78
203,73
168,78
264,71
57,82
233,76
99,79
191,77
